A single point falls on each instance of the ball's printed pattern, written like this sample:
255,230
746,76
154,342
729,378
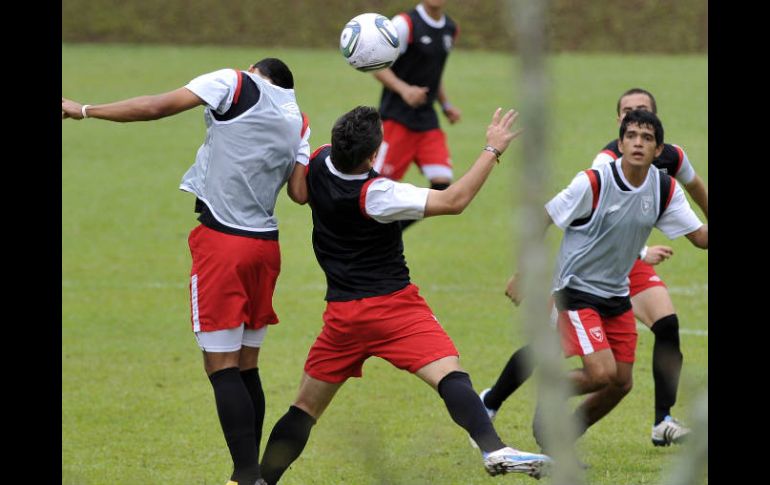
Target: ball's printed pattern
369,42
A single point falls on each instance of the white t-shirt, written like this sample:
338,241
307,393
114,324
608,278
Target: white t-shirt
217,90
576,200
402,26
389,201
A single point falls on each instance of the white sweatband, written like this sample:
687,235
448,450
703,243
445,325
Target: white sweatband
83,110
643,253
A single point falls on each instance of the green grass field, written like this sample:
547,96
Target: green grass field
136,405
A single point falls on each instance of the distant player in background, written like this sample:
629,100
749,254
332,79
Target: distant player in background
256,141
411,86
651,302
607,214
372,307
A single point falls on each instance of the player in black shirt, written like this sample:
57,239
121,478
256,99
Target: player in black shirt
410,87
372,307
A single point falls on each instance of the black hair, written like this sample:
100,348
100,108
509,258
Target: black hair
642,117
638,91
278,72
356,135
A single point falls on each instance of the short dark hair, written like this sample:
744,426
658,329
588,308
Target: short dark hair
642,117
278,72
638,91
356,135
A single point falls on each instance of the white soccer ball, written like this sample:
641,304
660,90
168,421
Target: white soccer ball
369,42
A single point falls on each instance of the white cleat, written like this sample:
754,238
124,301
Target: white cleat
669,431
509,460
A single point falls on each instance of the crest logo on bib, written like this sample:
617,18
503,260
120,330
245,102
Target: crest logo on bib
646,204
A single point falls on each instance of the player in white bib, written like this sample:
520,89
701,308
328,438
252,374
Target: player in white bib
256,141
650,298
607,214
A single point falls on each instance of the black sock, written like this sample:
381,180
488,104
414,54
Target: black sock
466,410
286,442
236,415
516,372
254,385
405,224
666,364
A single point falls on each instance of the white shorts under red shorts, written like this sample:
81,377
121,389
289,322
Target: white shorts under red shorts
232,280
643,277
400,146
584,332
399,327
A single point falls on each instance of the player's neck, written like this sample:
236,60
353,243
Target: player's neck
363,168
433,12
634,174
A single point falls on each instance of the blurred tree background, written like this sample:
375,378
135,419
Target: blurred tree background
632,26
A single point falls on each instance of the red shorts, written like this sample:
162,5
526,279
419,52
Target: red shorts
399,327
643,277
232,280
584,332
400,146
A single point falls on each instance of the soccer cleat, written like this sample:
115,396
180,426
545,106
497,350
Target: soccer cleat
490,412
669,431
259,481
509,460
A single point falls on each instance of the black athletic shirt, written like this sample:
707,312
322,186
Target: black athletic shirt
360,256
669,162
572,299
421,65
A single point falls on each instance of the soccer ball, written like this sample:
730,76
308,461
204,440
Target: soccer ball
369,42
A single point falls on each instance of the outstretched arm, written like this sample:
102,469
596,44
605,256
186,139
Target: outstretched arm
141,108
457,196
699,193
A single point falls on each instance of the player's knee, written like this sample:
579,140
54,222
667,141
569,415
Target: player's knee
308,407
601,376
622,385
666,329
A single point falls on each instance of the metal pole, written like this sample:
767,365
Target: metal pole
558,428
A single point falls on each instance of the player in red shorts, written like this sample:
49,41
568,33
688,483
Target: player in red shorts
373,309
410,87
256,141
651,301
607,214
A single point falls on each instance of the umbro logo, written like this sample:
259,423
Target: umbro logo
426,40
291,109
